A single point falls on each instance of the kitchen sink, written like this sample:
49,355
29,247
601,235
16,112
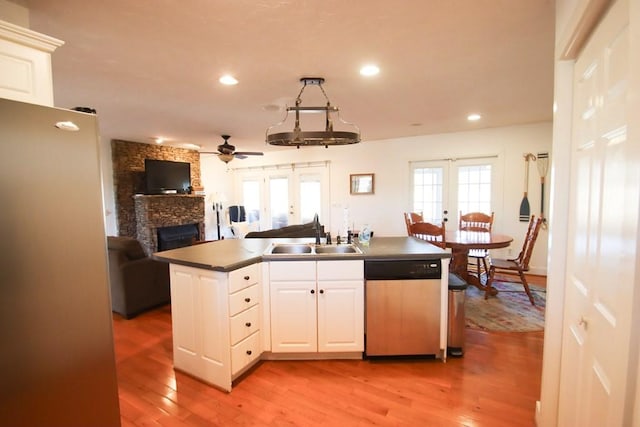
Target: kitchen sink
283,248
338,249
302,249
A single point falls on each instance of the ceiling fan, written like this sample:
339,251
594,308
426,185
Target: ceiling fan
226,152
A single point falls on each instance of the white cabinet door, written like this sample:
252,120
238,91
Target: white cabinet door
293,317
184,297
25,64
340,316
340,306
200,321
317,306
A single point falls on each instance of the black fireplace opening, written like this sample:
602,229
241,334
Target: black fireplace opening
177,236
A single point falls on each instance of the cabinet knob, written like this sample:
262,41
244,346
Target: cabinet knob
249,352
322,291
248,324
247,277
313,291
247,300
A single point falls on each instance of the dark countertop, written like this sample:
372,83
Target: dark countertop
228,255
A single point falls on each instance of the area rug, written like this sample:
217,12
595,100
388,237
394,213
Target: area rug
509,310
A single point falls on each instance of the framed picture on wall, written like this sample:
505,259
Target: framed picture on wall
362,183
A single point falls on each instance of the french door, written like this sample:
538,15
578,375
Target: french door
278,196
443,188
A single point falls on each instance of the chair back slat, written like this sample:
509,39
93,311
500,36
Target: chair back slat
432,233
475,221
529,241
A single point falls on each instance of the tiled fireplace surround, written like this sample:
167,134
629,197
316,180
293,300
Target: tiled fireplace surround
139,215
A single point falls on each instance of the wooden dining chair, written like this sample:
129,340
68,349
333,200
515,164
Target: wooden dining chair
432,233
480,222
410,218
517,265
436,235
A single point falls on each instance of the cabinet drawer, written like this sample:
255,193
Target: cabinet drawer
341,270
245,352
292,270
245,323
243,277
244,299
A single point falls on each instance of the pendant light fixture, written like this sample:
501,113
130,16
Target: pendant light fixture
299,138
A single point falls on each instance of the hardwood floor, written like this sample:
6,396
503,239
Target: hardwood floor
496,383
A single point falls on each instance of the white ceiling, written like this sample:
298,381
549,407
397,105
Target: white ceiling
150,67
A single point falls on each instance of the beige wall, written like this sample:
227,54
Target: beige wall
389,161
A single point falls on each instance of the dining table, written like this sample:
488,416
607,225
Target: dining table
461,242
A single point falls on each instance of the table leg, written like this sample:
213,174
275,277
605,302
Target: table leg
459,260
459,263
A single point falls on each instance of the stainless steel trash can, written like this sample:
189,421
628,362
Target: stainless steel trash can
456,324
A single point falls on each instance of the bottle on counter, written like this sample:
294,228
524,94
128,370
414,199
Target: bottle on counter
365,235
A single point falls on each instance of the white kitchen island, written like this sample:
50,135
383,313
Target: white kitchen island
233,306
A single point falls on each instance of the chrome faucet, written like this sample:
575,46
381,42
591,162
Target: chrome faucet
316,226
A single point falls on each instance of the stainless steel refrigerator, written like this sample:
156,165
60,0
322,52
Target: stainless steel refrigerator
57,363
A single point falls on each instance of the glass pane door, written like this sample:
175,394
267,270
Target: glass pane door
279,205
430,179
251,199
443,188
281,197
310,196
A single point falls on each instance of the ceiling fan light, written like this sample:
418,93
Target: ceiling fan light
225,157
299,138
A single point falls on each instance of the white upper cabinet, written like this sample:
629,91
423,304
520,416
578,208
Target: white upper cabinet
25,64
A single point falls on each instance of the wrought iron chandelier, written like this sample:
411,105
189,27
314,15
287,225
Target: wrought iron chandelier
326,137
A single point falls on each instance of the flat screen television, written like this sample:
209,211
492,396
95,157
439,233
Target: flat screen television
167,177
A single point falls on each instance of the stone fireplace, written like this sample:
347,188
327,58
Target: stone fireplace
128,177
168,213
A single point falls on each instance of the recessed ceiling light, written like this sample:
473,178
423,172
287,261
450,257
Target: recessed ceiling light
369,70
474,117
228,80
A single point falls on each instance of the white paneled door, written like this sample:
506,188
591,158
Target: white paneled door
602,229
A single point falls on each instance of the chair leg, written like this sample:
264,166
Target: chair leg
486,269
526,287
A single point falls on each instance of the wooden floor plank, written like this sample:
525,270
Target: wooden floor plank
496,383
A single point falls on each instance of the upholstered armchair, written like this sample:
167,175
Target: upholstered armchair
138,283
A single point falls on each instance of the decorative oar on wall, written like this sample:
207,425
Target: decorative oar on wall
525,209
543,168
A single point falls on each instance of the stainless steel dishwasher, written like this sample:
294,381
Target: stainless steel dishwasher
402,307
